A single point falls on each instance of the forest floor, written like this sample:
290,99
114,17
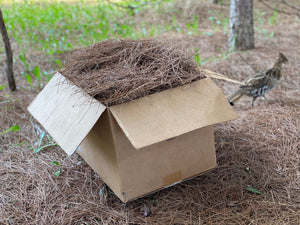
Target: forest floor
260,150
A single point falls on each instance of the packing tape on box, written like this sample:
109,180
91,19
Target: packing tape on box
172,179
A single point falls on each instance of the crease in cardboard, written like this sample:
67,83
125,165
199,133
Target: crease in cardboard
98,150
111,124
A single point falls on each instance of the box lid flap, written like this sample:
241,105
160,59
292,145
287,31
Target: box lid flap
66,112
173,112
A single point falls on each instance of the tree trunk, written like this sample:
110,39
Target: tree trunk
9,55
241,32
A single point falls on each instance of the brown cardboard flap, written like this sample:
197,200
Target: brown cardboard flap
66,112
173,112
173,178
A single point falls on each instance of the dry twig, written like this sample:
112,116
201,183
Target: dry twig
131,7
284,2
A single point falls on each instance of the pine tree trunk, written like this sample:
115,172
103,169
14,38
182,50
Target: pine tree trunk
9,55
241,32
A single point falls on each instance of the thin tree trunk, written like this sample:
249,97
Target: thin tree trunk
9,55
241,32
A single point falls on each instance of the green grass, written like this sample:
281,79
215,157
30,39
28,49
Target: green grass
57,26
13,128
219,21
261,19
54,26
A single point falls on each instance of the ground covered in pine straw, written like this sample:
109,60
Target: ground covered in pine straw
259,152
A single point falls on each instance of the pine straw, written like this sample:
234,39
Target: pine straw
117,71
261,149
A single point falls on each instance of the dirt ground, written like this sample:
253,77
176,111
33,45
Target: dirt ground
261,149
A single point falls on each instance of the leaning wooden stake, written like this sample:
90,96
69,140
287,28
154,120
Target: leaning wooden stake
9,55
218,76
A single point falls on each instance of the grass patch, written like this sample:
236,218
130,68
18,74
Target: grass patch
55,26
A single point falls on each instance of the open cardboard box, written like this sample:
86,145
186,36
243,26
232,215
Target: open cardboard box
140,146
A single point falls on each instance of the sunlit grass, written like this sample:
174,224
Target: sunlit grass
52,26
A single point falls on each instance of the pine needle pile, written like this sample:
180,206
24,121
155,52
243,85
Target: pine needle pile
117,71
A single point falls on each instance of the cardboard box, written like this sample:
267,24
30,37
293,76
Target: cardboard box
140,146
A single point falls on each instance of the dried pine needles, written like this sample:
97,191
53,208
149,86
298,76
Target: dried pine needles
117,71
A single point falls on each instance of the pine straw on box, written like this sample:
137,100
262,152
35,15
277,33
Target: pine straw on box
117,71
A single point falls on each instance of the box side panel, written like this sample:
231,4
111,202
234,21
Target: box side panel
186,179
98,150
164,163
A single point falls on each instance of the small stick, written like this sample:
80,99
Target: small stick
220,77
